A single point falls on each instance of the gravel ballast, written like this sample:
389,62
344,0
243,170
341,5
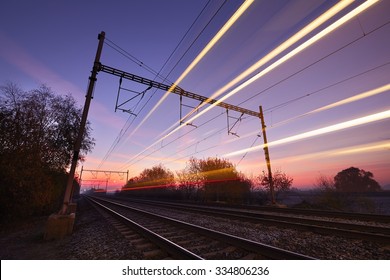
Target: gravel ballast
95,238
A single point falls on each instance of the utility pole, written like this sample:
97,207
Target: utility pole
77,146
267,158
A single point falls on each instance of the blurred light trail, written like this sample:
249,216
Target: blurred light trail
279,49
280,61
213,176
294,52
289,55
213,41
354,98
357,97
286,44
150,146
371,147
205,50
178,185
332,128
364,148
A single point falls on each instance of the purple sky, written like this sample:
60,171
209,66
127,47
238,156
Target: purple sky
54,42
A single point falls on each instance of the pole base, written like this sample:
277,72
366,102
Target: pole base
58,226
72,207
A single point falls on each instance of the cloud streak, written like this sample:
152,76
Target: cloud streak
17,56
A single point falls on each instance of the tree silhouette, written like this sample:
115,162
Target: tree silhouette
156,181
189,184
220,179
355,180
281,182
37,133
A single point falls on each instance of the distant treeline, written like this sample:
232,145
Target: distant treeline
217,180
211,179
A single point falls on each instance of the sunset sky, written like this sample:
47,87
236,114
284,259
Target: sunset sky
324,88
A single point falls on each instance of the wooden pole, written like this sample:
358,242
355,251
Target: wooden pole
77,146
267,158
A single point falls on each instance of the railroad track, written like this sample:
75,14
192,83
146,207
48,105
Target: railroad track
181,240
312,212
344,229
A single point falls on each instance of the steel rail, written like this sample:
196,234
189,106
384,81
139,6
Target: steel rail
320,213
172,248
298,211
366,232
265,250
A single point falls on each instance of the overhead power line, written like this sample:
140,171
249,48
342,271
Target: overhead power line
127,55
314,63
174,89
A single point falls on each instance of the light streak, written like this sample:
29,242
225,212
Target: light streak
282,47
212,176
178,185
363,149
339,103
286,44
213,41
353,98
291,54
286,57
325,130
297,50
205,50
371,147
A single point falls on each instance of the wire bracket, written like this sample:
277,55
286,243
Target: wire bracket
231,126
137,94
194,109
